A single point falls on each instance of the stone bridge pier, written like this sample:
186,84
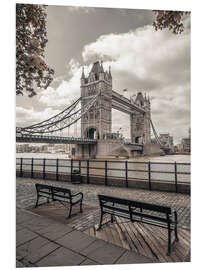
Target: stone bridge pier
85,151
108,148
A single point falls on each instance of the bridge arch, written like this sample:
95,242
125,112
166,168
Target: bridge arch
139,139
91,133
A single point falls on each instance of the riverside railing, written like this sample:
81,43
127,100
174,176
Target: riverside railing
106,171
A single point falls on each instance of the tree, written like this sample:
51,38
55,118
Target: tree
169,19
31,39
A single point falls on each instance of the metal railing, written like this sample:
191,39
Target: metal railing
106,170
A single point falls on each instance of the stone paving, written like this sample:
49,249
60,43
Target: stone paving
40,241
26,196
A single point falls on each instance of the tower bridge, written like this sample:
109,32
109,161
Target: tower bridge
125,105
94,110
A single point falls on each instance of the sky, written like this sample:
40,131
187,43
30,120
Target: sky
154,62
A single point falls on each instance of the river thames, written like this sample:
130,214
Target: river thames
167,158
162,167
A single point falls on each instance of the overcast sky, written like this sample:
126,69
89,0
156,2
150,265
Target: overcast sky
157,63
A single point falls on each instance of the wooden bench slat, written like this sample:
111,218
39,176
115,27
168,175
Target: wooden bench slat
59,194
142,212
137,204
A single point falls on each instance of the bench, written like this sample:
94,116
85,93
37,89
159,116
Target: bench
62,195
137,211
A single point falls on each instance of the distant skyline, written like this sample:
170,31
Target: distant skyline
141,59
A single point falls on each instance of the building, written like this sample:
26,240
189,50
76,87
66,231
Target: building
68,148
184,146
176,149
23,148
59,148
167,140
27,148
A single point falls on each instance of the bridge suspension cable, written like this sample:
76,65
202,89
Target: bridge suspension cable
56,118
60,121
155,133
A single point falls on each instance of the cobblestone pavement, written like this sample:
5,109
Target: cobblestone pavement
26,196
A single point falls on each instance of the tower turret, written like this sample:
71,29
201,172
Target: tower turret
82,78
110,77
101,69
98,119
140,123
101,72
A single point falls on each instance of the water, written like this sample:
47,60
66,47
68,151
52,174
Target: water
167,158
160,169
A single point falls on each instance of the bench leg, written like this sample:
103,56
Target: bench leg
81,207
100,222
169,243
70,210
112,218
37,202
176,234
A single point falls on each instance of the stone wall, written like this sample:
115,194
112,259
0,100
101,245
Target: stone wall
152,149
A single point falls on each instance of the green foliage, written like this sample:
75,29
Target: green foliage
169,19
31,39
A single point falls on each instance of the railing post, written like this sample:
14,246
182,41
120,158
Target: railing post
105,172
88,165
44,167
80,166
71,169
176,180
21,167
32,161
149,175
57,169
126,173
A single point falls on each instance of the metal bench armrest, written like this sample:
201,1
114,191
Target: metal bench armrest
76,194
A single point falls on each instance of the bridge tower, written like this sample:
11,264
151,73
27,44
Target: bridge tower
97,121
139,123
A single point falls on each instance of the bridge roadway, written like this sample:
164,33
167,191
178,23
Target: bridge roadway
26,138
52,139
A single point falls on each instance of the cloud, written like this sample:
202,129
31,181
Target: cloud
155,62
66,90
25,117
147,55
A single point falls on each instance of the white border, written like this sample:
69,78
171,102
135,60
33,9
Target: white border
8,123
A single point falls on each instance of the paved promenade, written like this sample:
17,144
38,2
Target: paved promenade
40,241
43,241
26,196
